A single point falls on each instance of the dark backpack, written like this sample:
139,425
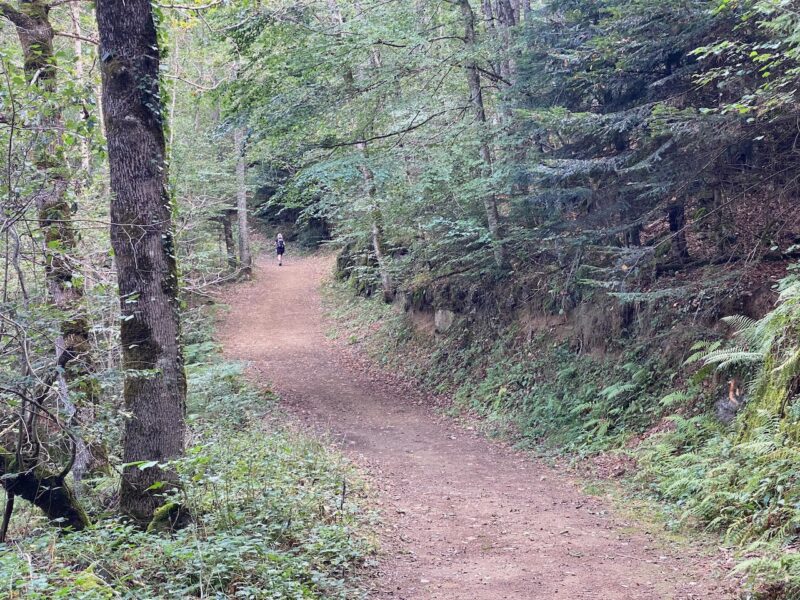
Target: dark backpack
280,244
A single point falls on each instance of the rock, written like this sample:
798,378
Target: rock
443,320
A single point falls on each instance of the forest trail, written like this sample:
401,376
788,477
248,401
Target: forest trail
463,518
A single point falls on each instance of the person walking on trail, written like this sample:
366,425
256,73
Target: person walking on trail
280,248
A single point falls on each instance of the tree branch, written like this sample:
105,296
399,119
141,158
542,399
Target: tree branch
75,36
494,76
60,2
197,86
384,136
189,6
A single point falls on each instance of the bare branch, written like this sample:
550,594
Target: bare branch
197,86
75,36
60,2
190,6
384,136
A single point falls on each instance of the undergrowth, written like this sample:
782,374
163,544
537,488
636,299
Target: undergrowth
740,480
540,387
277,515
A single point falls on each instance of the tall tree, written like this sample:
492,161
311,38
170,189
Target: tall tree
245,258
376,218
479,112
77,43
142,238
65,291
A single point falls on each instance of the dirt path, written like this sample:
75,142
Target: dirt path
463,518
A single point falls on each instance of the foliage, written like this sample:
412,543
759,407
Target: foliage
640,157
277,515
739,480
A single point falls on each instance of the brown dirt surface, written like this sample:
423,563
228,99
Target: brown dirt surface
462,517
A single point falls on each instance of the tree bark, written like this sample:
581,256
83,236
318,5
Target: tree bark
245,259
55,217
488,13
143,242
507,18
77,43
65,291
230,244
479,110
376,217
676,214
48,492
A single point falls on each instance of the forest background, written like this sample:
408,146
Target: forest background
583,215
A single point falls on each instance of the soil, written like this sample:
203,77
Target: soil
462,517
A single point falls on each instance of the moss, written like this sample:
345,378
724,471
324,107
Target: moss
169,517
48,492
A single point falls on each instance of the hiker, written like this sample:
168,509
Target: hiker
280,247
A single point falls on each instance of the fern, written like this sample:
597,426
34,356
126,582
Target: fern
618,389
700,350
673,399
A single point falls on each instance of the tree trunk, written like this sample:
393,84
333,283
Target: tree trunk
376,216
507,18
488,13
479,110
77,42
633,236
65,291
143,242
48,492
227,234
677,226
245,260
387,286
55,217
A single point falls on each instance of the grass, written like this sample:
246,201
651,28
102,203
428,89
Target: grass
277,514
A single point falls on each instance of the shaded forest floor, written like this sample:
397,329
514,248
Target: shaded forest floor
461,517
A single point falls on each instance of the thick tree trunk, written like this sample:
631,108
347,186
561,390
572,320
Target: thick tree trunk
245,259
143,242
479,110
65,291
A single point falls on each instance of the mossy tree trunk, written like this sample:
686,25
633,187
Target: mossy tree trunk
376,218
45,490
376,215
143,240
65,291
55,218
